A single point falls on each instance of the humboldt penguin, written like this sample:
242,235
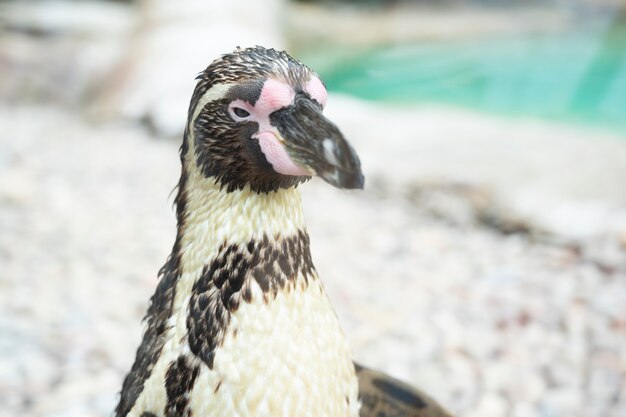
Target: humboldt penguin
240,324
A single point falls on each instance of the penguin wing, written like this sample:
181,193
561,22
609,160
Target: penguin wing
384,396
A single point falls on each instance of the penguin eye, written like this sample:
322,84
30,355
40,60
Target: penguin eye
240,113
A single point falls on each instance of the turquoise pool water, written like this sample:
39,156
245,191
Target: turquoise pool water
573,77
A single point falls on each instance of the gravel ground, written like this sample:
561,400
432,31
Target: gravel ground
434,281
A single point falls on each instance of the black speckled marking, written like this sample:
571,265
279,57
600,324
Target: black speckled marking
148,414
179,381
225,284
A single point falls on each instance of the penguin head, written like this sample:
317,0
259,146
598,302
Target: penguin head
256,118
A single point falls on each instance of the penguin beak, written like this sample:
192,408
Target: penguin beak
314,142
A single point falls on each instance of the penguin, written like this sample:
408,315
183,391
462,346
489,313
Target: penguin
240,323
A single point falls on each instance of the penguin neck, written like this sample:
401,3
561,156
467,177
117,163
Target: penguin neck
210,219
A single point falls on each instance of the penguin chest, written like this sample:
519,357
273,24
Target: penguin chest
283,357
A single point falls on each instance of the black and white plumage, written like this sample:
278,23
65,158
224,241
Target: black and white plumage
240,324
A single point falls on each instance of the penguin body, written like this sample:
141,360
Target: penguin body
240,324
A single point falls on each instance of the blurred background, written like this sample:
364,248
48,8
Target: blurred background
485,261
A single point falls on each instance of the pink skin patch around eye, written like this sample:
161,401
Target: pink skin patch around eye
316,90
274,96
